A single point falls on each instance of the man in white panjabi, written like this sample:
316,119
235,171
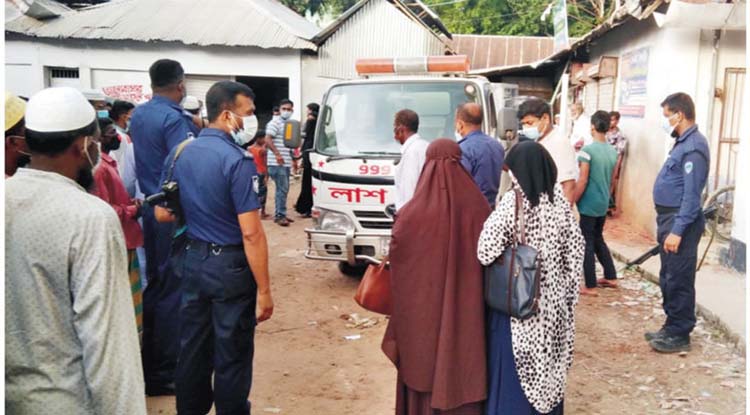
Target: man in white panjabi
71,345
413,154
581,134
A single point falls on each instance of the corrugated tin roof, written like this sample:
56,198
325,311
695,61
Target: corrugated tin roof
497,51
414,9
634,9
261,23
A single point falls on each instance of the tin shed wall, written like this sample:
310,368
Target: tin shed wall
377,30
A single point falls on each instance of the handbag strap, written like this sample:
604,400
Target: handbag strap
521,220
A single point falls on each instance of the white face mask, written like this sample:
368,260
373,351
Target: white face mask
459,137
286,115
250,125
532,133
667,127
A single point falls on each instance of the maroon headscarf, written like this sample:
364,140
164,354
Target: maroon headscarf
436,335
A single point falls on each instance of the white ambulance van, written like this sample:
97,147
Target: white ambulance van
355,154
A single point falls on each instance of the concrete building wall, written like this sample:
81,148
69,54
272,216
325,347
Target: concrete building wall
672,67
124,62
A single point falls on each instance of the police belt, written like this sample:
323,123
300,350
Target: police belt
196,244
665,210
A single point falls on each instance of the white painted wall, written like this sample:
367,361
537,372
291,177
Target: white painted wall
120,62
673,67
742,185
731,54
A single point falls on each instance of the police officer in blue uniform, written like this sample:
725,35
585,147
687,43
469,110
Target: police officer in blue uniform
680,222
156,127
225,267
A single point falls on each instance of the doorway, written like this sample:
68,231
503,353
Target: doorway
268,92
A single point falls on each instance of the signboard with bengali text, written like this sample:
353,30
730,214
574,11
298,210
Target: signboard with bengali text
633,83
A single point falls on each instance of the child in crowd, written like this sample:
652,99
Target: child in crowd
259,151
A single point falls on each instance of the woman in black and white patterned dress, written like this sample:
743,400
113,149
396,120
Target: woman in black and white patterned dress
528,360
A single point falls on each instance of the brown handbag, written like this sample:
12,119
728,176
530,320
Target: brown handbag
374,291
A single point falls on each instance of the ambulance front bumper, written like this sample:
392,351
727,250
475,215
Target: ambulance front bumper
350,246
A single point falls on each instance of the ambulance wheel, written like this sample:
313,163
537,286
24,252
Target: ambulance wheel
356,270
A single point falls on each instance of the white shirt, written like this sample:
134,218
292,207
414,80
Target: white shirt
581,130
563,154
413,154
71,345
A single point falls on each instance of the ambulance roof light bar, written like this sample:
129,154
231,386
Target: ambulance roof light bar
453,64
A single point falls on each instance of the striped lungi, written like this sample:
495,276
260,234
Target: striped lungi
135,289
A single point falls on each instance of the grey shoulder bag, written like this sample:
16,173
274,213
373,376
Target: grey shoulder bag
512,282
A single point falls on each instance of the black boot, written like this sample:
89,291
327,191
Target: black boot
671,343
651,335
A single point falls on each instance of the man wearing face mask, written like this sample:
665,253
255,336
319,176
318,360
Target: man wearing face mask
482,156
71,345
535,116
157,127
280,160
109,187
16,151
225,277
680,222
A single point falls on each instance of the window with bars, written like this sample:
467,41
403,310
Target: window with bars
64,73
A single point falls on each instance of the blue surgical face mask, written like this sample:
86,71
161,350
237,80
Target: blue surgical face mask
102,113
532,133
286,115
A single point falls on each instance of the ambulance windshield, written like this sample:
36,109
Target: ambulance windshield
357,119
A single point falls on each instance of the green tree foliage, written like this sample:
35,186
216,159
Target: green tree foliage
331,7
517,17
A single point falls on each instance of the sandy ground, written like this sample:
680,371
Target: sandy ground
304,364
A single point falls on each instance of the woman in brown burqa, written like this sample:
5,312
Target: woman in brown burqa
436,335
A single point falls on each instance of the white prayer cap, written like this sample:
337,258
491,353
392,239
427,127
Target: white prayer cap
57,110
94,95
191,103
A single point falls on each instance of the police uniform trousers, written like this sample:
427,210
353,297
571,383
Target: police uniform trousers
161,302
217,329
677,274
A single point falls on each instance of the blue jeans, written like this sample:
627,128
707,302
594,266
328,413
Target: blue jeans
280,176
217,330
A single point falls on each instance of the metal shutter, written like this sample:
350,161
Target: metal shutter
606,94
198,85
590,97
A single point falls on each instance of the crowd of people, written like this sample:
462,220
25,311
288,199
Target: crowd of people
454,353
110,297
141,297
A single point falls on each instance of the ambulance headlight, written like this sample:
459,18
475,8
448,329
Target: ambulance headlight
334,221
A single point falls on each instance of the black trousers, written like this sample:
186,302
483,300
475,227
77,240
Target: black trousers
592,229
304,203
217,330
677,274
161,302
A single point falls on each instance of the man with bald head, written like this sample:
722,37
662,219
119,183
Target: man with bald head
482,155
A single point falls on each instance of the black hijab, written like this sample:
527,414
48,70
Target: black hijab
534,169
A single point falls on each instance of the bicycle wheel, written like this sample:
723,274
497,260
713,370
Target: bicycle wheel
720,223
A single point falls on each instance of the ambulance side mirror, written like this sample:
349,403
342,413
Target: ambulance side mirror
292,135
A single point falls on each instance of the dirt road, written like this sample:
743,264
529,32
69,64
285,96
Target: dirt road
304,364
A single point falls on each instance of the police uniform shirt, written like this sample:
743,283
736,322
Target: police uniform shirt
157,127
683,177
217,181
